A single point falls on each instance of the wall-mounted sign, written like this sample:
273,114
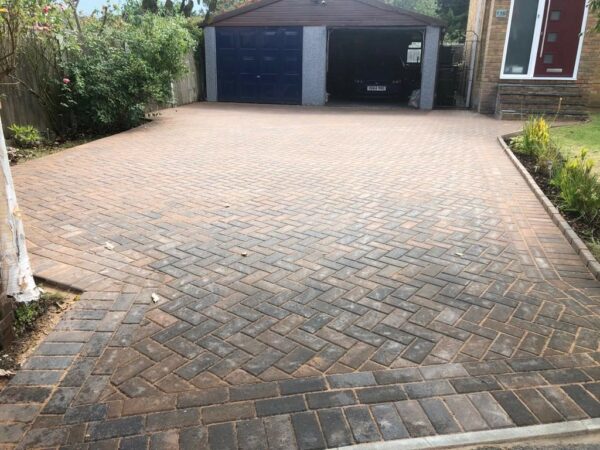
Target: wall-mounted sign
502,13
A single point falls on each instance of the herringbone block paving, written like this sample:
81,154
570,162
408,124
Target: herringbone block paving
284,277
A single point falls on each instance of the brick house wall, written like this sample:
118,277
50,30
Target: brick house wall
491,52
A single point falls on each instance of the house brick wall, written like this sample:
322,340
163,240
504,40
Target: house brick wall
589,67
491,53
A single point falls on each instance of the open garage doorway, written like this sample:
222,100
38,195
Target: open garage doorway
373,65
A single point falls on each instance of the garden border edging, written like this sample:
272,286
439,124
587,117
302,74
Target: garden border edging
574,240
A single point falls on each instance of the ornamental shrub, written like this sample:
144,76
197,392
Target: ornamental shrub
25,136
536,136
579,187
121,67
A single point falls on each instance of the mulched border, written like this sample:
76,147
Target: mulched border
578,245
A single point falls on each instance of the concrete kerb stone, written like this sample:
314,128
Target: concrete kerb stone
575,241
503,436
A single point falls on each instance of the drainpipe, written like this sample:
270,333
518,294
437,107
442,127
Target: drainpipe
477,33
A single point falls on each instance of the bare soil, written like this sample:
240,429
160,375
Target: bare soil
588,232
54,304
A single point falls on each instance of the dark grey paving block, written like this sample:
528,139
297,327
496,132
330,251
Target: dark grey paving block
517,411
439,416
60,400
428,389
389,422
222,436
307,431
584,400
253,391
381,394
335,428
116,428
321,400
362,424
86,413
414,418
350,380
530,365
475,384
251,435
465,413
280,433
193,438
282,405
565,376
490,410
302,385
396,376
134,443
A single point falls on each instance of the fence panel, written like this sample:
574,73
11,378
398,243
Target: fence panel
22,107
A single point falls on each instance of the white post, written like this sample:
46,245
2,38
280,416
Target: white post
15,268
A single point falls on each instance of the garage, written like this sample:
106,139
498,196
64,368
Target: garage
259,64
315,52
376,64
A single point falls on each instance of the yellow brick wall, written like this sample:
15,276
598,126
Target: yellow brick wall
589,66
491,51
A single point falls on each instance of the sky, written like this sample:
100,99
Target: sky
87,6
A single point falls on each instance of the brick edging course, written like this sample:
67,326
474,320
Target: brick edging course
575,241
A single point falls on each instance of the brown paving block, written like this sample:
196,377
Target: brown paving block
345,255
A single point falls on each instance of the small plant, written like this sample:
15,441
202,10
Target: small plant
579,187
536,136
25,136
549,158
27,313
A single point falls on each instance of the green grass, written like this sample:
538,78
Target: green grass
573,137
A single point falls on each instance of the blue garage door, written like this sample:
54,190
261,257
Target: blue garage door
259,64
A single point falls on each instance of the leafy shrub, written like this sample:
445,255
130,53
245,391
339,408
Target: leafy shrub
536,136
25,136
120,68
579,187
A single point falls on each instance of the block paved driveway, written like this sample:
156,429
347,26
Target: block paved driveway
325,277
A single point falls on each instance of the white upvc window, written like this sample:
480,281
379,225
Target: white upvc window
544,39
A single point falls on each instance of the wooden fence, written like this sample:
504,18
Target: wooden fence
21,107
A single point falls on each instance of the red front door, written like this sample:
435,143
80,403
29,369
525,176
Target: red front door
560,37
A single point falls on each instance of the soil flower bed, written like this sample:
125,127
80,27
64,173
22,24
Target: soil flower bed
588,231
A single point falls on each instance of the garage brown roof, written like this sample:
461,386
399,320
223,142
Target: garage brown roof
358,13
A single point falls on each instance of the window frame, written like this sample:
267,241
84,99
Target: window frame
535,45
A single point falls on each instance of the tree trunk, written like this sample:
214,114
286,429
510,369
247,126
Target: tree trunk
15,269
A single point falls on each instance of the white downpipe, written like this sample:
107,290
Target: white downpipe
15,268
474,48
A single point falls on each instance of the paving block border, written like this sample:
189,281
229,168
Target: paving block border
489,437
574,240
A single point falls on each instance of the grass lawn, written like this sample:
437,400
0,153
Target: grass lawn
573,137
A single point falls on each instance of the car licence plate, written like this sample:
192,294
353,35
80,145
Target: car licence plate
376,88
